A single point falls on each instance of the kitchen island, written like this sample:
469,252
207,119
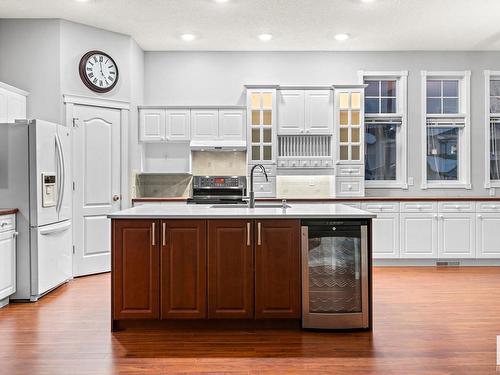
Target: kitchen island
211,265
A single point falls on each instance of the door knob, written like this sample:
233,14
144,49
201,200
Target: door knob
116,198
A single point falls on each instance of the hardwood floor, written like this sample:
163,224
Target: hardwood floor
427,321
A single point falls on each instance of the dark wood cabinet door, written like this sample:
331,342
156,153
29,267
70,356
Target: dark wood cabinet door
230,269
136,255
277,269
183,269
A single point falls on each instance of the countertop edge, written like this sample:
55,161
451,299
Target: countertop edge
8,211
354,199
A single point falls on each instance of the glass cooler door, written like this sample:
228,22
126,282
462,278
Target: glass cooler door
335,275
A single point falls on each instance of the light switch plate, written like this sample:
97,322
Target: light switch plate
492,192
411,181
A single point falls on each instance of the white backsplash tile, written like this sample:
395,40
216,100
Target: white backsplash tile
305,186
207,163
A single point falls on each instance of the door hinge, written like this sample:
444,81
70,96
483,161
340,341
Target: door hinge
74,185
73,249
75,122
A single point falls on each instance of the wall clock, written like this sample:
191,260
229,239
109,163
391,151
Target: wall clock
98,71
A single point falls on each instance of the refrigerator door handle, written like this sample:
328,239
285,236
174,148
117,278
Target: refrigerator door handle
61,174
55,228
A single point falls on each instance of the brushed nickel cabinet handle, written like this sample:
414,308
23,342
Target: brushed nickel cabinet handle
259,242
153,241
164,233
248,234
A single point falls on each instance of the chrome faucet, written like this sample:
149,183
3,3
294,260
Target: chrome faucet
251,202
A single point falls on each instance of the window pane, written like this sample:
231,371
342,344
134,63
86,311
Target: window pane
255,117
355,118
255,135
256,101
450,105
255,152
344,117
494,88
372,88
344,152
355,100
380,152
388,105
450,88
442,153
371,105
267,117
433,88
355,135
344,135
267,135
495,152
434,105
495,104
267,100
268,155
388,88
344,100
355,153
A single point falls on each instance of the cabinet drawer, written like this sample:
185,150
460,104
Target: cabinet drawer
349,186
456,206
350,170
381,206
7,222
263,188
270,170
488,206
327,164
419,207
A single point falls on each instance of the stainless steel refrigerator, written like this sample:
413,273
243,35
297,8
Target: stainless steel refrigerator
35,177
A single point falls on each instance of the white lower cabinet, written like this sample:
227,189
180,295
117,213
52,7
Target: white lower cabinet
488,235
7,258
457,235
385,239
419,235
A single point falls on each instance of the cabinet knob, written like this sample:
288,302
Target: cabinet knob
349,187
116,198
302,131
15,234
479,216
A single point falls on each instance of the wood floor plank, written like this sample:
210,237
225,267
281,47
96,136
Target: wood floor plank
426,321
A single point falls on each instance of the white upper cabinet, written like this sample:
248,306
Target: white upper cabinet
318,111
204,124
12,103
152,125
232,124
305,112
178,125
291,112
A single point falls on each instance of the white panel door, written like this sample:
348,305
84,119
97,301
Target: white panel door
151,125
457,235
178,125
204,124
386,235
96,172
291,112
319,111
7,264
419,235
232,124
488,235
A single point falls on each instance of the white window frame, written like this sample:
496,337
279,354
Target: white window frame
488,75
464,161
401,78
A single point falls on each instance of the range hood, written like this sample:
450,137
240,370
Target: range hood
210,145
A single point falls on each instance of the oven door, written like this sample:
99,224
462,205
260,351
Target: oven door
334,276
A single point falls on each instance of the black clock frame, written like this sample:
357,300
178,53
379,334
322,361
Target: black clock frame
85,79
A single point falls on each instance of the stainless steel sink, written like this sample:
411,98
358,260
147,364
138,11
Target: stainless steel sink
257,205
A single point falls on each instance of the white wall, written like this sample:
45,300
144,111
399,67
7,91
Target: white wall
29,60
185,78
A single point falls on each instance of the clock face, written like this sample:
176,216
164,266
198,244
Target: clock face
98,71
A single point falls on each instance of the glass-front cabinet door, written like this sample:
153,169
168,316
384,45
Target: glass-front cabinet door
261,125
349,117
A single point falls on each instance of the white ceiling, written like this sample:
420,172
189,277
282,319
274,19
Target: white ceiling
383,25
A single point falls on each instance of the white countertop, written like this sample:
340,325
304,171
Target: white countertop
199,211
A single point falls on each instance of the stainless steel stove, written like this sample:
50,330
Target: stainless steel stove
218,190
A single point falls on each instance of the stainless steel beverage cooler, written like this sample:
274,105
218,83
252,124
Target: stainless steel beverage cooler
335,278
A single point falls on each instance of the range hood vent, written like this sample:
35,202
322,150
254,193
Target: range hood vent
209,145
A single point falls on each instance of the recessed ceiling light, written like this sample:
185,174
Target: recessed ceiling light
341,37
368,1
188,37
221,1
82,1
265,37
